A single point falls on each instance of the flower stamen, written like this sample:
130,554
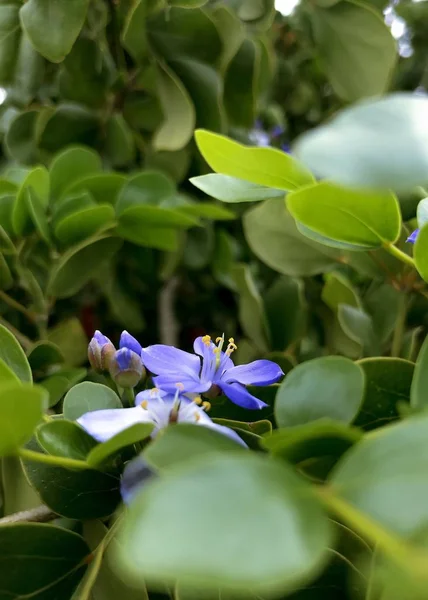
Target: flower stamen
206,340
231,347
144,404
206,405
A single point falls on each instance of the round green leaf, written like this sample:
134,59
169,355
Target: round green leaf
79,263
242,497
149,187
62,18
54,561
13,355
386,472
64,438
364,221
263,166
7,375
38,180
356,47
272,235
21,409
69,336
419,389
86,397
103,187
232,189
69,124
128,437
331,387
420,252
71,164
86,494
377,144
85,223
57,386
388,385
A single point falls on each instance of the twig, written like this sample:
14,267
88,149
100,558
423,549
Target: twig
168,326
17,306
40,514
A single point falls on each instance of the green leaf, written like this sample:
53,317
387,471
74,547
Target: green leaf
20,137
182,443
52,565
7,375
38,180
420,252
6,278
119,143
364,221
419,389
134,36
62,18
85,223
206,210
57,386
9,39
72,164
384,321
272,235
149,187
178,110
68,335
71,204
311,440
328,387
13,355
251,311
356,47
338,290
232,189
372,145
263,166
86,397
69,124
21,409
76,266
77,495
285,309
232,33
128,437
64,438
37,213
358,326
388,386
17,493
103,187
237,490
240,84
385,472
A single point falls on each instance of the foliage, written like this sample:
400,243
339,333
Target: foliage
135,136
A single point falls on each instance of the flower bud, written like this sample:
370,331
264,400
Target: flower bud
126,368
100,352
128,341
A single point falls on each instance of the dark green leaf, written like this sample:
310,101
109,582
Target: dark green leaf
20,137
103,187
149,187
38,180
69,124
13,355
64,438
85,223
9,39
285,306
251,311
128,437
69,165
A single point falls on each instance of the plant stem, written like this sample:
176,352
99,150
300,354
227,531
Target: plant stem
400,324
17,306
40,514
405,258
49,459
128,397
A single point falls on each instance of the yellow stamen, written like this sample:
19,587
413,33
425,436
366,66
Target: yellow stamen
206,405
197,416
231,347
219,339
144,404
154,391
197,400
206,340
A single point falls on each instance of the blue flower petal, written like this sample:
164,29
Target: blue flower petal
136,475
413,236
258,372
105,424
101,338
240,396
123,358
164,360
128,341
172,382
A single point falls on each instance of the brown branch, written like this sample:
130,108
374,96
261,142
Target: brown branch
40,514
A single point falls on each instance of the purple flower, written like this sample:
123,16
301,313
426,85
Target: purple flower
152,406
126,368
413,236
128,341
209,370
100,351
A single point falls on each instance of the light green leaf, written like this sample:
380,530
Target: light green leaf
356,47
69,165
232,189
37,213
272,235
378,144
420,252
85,223
339,290
328,387
69,336
178,110
419,389
21,409
86,397
57,386
264,166
237,491
13,355
7,375
363,221
128,437
63,19
76,266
